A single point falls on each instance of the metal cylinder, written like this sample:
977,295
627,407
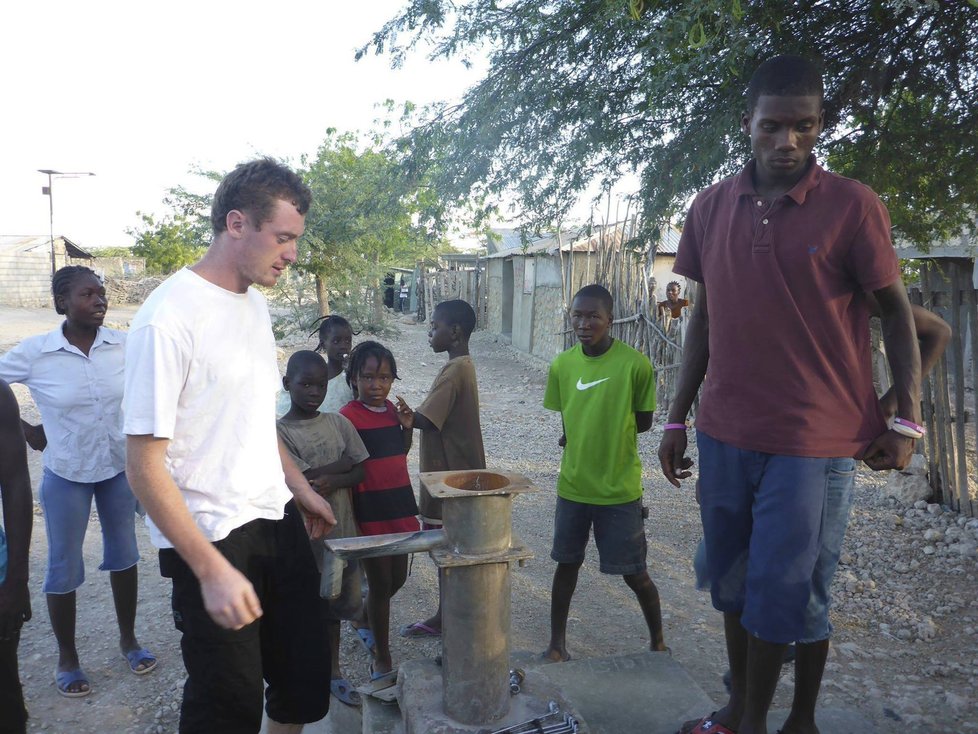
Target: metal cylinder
478,524
475,640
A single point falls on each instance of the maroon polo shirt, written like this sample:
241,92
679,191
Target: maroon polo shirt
790,370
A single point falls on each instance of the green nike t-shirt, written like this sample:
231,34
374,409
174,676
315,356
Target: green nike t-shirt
598,398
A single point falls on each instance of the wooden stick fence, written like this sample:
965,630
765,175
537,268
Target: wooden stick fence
951,443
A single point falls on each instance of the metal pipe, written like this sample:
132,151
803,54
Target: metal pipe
475,641
480,524
393,544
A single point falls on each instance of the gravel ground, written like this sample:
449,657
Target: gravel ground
906,598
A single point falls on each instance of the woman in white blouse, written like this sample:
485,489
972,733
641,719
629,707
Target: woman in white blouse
75,375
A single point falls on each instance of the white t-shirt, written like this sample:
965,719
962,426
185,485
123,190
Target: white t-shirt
201,371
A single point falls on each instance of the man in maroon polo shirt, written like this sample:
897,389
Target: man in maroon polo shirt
788,398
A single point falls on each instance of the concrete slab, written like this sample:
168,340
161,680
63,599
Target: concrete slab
341,719
829,720
420,696
646,692
381,718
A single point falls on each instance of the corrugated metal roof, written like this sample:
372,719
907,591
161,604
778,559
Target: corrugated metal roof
578,241
669,244
39,243
964,245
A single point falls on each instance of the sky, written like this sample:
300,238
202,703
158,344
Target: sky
140,92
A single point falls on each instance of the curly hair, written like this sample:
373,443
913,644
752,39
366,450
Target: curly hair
458,313
785,76
254,187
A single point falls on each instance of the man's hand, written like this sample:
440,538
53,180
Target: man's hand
316,512
672,457
15,607
35,436
230,598
889,450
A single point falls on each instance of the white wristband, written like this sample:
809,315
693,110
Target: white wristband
906,431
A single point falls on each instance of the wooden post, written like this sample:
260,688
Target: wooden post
941,421
971,298
964,499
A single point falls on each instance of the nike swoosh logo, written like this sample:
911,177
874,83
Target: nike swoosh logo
587,385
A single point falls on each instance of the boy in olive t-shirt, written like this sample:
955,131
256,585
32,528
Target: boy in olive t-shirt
605,392
451,432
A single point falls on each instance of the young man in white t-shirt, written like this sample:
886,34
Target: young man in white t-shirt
225,503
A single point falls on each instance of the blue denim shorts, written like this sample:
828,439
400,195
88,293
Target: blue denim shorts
67,507
619,533
772,538
835,519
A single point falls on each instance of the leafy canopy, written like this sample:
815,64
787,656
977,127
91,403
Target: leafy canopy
585,90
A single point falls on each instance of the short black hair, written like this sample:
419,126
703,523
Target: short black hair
785,76
303,358
63,279
359,356
458,313
674,283
329,322
600,292
254,187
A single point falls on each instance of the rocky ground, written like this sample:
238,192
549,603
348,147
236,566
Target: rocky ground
906,597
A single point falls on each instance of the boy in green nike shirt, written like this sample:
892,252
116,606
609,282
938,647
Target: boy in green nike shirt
605,392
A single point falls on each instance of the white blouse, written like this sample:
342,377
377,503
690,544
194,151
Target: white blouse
80,400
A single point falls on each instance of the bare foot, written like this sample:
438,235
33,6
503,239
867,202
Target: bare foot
555,655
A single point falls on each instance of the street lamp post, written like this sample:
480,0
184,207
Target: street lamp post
49,192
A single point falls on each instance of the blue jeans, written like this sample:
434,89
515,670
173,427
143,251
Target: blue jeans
835,519
67,506
619,534
763,518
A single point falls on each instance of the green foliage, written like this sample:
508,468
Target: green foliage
367,213
168,244
111,251
180,236
585,90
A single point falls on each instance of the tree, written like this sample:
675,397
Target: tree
584,90
365,214
181,235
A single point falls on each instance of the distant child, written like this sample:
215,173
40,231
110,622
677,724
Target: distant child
329,452
451,433
605,392
336,342
384,501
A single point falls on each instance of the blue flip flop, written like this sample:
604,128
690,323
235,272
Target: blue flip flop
367,641
376,677
341,688
65,678
142,655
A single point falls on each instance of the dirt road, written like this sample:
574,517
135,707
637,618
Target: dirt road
923,683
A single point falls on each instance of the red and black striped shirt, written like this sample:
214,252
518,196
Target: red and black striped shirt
384,502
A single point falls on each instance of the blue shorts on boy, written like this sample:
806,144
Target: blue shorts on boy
773,510
598,398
